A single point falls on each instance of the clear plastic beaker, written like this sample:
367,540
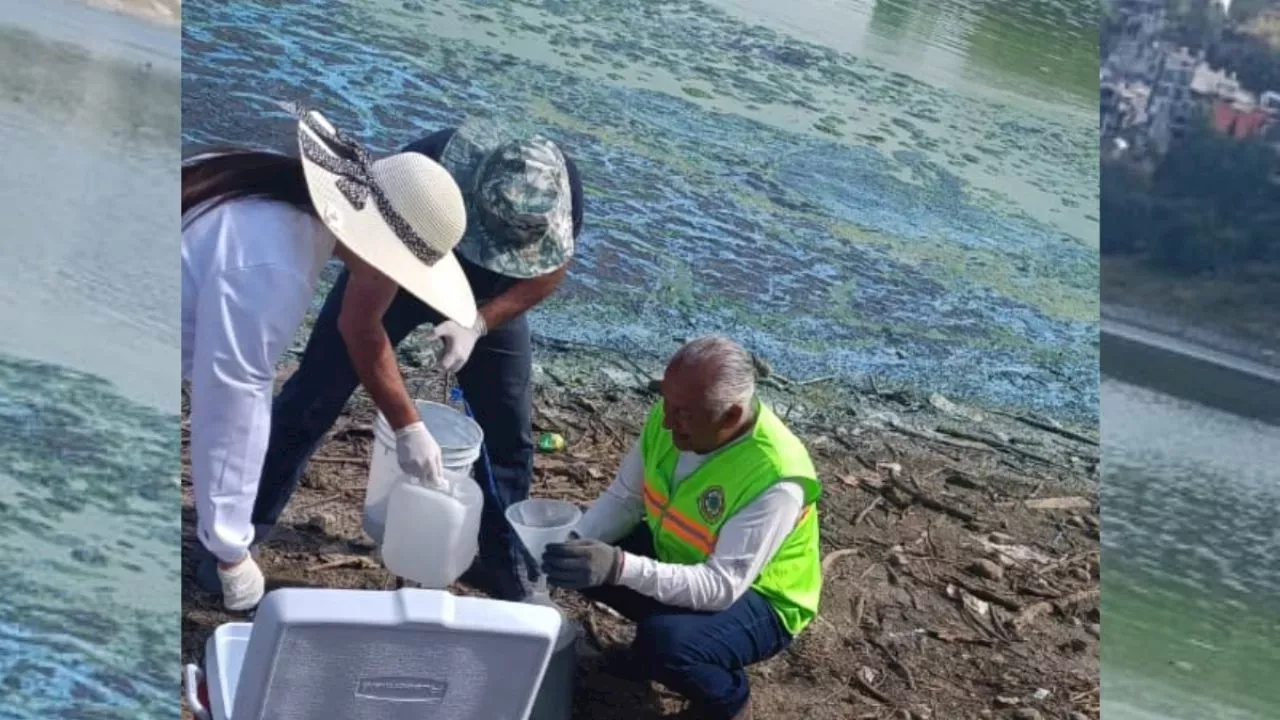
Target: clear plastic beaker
541,522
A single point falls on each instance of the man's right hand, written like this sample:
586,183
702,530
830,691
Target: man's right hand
419,455
581,564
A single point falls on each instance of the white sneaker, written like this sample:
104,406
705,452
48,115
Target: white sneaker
242,585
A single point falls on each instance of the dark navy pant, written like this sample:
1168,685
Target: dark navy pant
703,656
497,384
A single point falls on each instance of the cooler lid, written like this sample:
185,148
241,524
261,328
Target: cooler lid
407,654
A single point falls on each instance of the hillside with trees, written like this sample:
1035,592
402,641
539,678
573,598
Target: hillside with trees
1195,233
1211,205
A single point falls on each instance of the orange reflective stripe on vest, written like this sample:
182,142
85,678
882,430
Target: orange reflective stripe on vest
804,514
675,522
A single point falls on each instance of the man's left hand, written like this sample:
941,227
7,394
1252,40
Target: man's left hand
458,342
581,564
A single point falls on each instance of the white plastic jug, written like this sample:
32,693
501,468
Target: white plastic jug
432,536
460,440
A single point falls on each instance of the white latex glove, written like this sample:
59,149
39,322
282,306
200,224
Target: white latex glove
419,455
458,342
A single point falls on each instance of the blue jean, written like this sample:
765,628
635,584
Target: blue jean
701,655
497,385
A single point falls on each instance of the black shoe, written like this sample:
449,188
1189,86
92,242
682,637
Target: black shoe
497,585
206,575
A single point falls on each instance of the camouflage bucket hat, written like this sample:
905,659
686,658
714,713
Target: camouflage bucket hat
519,207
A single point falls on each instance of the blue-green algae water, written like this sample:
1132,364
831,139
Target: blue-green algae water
89,498
890,189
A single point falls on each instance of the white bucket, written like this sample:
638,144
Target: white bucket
460,440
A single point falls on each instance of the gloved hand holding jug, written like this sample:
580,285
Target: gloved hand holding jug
419,455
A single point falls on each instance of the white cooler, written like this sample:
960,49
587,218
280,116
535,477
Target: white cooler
406,654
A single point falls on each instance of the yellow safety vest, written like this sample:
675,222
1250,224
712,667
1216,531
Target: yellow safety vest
685,525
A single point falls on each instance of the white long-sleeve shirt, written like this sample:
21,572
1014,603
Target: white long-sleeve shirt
746,543
249,272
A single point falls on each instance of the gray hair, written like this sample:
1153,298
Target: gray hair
730,367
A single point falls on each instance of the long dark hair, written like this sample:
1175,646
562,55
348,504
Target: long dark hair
236,173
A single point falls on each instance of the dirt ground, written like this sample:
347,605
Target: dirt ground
960,554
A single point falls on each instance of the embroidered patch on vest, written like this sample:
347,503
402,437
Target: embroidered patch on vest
711,503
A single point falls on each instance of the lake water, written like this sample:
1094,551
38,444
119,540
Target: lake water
1191,560
902,189
89,363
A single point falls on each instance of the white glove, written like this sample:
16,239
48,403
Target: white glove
419,455
458,342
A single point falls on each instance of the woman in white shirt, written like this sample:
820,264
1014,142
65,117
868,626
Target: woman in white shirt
257,229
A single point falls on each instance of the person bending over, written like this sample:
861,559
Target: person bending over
257,229
524,212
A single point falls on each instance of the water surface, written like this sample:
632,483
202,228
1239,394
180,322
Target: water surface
89,501
1191,560
88,120
907,191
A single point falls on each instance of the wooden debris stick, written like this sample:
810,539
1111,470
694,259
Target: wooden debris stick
1059,503
977,623
844,443
951,637
958,478
935,438
1037,610
1001,446
815,381
896,664
339,459
867,689
349,561
983,594
1050,427
354,429
875,502
1079,597
321,501
1078,697
933,504
833,556
1066,561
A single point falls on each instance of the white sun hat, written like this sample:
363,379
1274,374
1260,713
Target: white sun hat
403,214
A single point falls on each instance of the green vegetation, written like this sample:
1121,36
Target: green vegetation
1253,52
1211,206
1197,23
1246,10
